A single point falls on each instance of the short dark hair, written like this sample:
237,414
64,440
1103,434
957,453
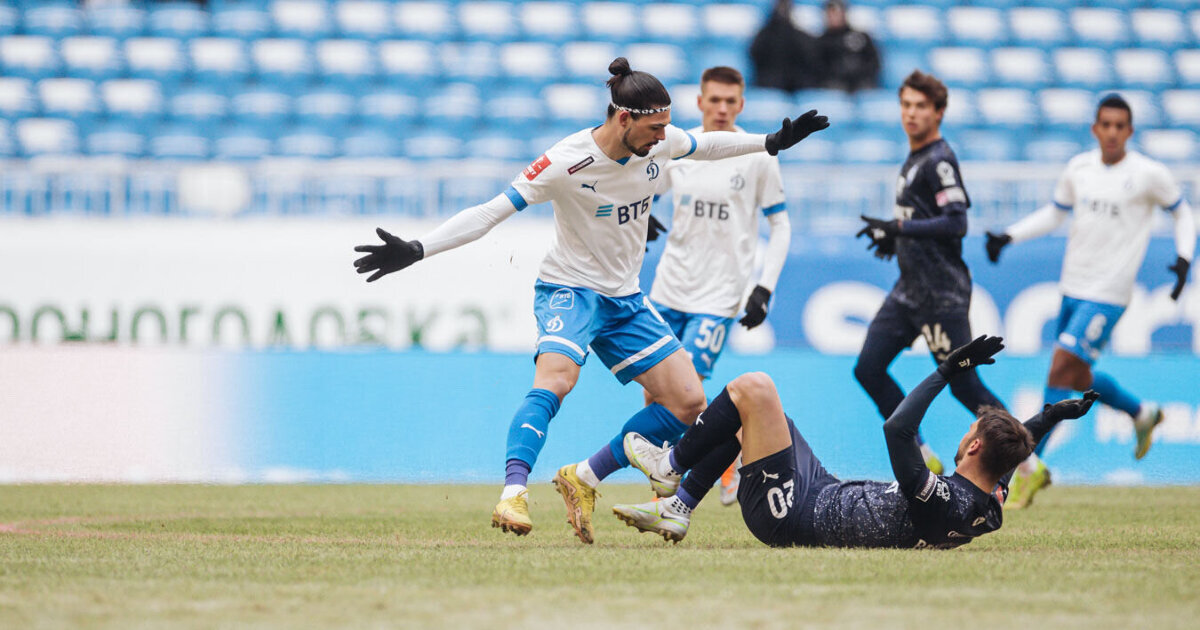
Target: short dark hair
1115,101
929,85
634,90
723,74
1006,442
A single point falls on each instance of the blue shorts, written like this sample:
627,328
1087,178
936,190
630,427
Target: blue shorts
703,336
1084,327
626,333
778,493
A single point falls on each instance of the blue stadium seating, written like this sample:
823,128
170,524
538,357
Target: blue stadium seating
305,19
433,145
499,146
29,56
95,58
241,143
133,101
549,21
242,20
869,147
181,20
1053,148
263,107
9,18
17,99
116,139
47,136
199,105
221,62
371,142
180,142
308,142
55,19
159,58
72,99
364,19
115,20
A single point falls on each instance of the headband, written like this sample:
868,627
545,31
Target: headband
643,112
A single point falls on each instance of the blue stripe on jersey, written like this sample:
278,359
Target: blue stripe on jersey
691,150
517,200
779,207
1171,208
1061,206
623,160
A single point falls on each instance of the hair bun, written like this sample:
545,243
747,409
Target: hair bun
619,67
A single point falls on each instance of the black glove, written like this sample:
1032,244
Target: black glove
1180,268
885,248
967,356
756,307
794,130
883,244
654,229
395,254
878,228
1071,408
995,243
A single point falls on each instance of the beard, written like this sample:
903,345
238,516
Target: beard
640,152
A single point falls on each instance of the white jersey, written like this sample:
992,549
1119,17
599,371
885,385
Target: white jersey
1112,208
709,256
601,207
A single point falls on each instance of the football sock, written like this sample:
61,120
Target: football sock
527,432
1050,396
653,422
1114,395
717,425
516,472
707,471
585,472
678,506
512,490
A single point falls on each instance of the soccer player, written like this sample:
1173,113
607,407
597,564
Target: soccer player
933,294
707,265
601,182
1112,193
788,498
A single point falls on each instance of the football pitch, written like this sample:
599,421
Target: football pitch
424,556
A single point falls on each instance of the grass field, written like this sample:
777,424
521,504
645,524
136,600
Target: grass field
425,557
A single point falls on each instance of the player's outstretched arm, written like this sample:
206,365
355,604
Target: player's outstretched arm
1185,245
1051,415
792,131
1040,222
395,254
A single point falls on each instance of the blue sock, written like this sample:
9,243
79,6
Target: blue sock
654,423
1114,395
527,433
603,463
687,498
516,472
1049,397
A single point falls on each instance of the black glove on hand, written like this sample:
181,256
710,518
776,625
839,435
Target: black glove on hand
885,248
756,307
794,130
395,254
966,357
995,243
1072,408
878,228
1180,268
654,229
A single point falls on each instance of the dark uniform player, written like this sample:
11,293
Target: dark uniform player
788,498
933,294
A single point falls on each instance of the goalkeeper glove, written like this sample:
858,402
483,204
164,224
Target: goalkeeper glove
995,243
1180,268
756,307
794,130
966,357
395,254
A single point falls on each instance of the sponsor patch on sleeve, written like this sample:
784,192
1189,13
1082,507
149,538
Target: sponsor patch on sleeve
951,195
578,166
533,170
927,488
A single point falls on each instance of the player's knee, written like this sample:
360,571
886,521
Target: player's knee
752,387
1074,375
865,374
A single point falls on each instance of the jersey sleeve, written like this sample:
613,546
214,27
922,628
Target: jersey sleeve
1162,188
770,186
1064,190
680,143
946,184
538,182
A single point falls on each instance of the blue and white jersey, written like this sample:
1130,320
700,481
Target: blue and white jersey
601,207
1112,207
709,257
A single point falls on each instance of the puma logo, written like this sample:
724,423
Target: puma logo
591,186
540,434
767,476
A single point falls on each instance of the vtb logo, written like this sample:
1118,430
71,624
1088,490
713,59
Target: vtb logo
625,213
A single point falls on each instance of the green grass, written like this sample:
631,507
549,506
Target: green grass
425,556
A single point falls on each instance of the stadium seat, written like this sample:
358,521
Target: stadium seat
1187,64
9,18
284,62
222,62
1007,107
1169,145
74,99
485,20
1038,26
514,109
1021,67
837,104
454,108
1145,107
345,62
304,19
976,26
731,23
575,105
389,108
47,136
241,143
960,67
17,98
371,142
899,62
475,62
31,57
198,105
497,145
179,142
307,142
412,62
864,18
1159,28
1067,109
1082,67
962,109
718,54
667,62
433,145
1194,22
54,19
95,58
329,108
364,19
427,20
1143,68
684,112
1099,27
116,139
916,24
871,148
132,100
1053,148
531,64
8,148
262,107
549,21
814,150
808,18
588,61
766,108
985,145
242,21
671,22
180,20
877,108
1182,108
158,58
116,20
611,21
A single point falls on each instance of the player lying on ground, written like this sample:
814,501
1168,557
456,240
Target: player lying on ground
789,499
